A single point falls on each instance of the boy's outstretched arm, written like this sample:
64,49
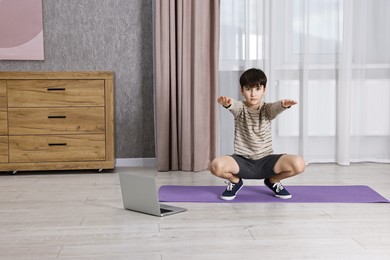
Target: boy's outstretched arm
224,101
287,103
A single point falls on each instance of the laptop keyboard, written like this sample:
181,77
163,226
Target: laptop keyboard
165,210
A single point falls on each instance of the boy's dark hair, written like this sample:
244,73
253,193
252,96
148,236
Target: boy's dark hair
253,77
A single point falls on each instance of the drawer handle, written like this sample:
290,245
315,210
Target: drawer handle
55,89
56,116
57,144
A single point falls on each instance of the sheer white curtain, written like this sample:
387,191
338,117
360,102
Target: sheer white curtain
332,56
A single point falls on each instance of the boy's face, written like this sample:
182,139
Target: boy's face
253,95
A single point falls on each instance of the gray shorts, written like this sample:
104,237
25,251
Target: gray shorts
256,169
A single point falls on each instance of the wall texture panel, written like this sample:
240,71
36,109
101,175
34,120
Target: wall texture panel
111,35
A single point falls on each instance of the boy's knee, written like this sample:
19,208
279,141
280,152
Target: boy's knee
213,166
299,164
216,167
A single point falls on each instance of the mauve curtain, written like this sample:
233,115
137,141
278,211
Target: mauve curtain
186,74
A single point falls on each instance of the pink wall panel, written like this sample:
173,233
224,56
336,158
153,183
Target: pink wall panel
21,31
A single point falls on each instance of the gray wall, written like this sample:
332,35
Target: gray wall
111,35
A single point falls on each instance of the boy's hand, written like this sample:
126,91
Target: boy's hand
287,103
224,101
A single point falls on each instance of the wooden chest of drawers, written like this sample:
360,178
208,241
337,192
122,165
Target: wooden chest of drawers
56,121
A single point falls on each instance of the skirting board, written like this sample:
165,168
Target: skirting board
135,162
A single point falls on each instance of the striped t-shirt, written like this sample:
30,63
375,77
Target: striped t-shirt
252,131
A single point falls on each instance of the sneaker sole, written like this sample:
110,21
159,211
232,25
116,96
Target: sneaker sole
284,197
232,197
228,198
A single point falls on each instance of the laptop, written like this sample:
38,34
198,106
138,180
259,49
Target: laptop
139,193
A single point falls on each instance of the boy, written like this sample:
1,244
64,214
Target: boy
253,156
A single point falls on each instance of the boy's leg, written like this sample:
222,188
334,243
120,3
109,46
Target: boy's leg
287,166
225,167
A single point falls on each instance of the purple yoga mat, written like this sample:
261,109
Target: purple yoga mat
252,194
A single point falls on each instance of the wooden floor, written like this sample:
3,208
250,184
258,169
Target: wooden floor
73,215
